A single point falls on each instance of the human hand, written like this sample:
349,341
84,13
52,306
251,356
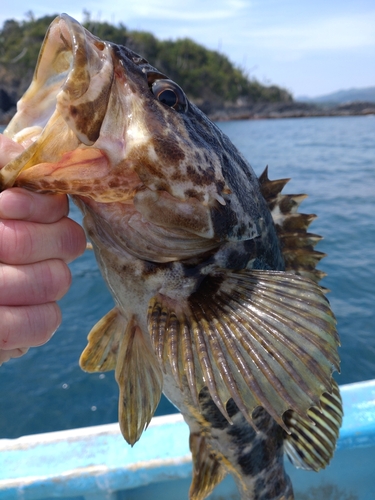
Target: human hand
37,240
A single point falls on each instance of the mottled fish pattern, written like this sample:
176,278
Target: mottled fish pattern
212,270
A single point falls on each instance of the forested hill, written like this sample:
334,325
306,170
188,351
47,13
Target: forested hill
208,77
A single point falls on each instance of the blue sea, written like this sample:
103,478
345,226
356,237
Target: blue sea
332,159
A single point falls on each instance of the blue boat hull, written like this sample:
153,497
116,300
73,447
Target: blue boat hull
94,463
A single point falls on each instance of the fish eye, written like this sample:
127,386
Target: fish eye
170,94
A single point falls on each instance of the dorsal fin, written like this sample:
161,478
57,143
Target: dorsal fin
291,226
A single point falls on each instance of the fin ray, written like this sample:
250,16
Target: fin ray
310,444
100,354
208,368
140,382
207,470
263,338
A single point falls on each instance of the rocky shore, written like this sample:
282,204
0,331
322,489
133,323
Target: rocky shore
294,109
256,111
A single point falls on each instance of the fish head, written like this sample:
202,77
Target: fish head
99,121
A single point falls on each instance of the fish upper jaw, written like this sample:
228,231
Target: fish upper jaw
73,68
60,118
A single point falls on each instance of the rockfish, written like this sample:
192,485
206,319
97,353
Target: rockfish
211,269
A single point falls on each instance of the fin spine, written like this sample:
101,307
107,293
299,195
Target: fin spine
291,226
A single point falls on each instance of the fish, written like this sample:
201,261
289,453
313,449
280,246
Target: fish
217,301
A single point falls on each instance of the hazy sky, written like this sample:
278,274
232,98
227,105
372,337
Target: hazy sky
311,47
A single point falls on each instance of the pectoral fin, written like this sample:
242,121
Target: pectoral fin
311,443
100,355
263,338
140,381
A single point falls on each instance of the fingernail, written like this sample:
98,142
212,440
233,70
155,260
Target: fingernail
15,204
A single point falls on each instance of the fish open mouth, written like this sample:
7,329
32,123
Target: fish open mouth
66,103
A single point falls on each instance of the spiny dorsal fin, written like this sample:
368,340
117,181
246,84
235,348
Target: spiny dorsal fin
311,443
291,226
270,189
262,338
207,470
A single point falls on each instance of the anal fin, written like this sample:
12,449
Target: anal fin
100,355
207,470
311,443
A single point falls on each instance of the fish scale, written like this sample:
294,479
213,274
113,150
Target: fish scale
212,271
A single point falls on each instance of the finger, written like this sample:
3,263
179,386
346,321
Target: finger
8,150
28,242
32,284
17,203
13,353
28,326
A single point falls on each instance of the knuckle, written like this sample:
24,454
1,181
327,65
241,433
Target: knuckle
42,322
50,208
73,240
61,278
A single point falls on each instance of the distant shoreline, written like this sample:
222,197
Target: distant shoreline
264,111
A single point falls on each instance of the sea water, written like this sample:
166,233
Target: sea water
332,159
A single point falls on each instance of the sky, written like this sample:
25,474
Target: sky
309,47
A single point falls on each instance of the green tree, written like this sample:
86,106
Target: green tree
208,77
